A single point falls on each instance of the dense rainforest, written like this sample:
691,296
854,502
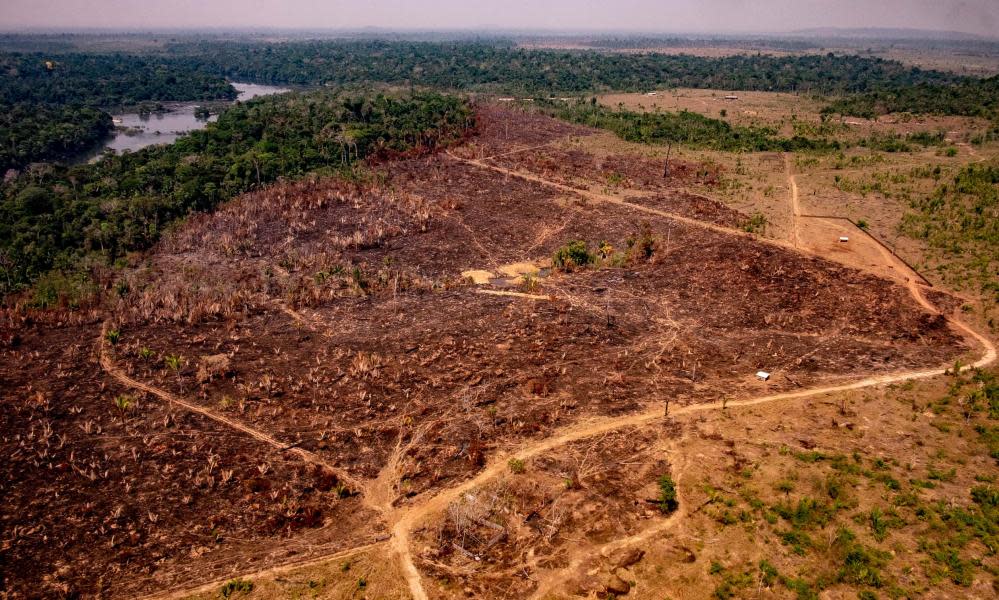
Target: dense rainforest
60,84
54,106
30,132
103,80
56,216
496,67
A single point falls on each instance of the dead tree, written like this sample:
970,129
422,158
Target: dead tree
669,149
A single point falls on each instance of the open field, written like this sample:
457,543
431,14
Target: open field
789,114
863,184
391,388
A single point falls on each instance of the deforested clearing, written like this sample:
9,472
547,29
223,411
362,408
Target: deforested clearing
305,371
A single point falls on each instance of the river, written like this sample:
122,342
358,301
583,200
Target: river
134,131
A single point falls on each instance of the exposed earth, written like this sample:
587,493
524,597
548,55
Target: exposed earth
391,387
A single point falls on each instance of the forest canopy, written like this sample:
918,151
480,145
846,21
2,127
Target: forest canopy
103,81
971,98
54,107
496,67
681,128
30,132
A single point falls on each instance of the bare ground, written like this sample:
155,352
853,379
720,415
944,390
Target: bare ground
333,320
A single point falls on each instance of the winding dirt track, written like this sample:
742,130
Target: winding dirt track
404,519
497,466
589,428
107,363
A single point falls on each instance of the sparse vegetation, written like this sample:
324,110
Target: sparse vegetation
960,223
516,465
756,223
235,588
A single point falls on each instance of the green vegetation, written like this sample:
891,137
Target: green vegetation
173,361
61,217
498,66
123,403
103,80
756,223
668,501
236,586
51,105
574,255
970,97
687,128
956,530
516,465
960,220
30,132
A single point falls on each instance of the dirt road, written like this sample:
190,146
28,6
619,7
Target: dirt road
402,521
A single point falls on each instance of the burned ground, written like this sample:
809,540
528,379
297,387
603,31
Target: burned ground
495,539
116,492
334,317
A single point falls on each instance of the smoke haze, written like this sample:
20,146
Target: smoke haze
972,16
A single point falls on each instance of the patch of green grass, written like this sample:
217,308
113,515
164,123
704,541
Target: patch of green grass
756,223
516,465
768,573
936,475
113,336
798,541
881,522
807,513
809,457
236,586
989,435
801,588
861,565
731,583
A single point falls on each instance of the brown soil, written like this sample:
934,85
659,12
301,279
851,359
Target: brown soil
349,335
112,501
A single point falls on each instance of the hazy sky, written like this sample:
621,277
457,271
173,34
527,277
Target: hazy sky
975,16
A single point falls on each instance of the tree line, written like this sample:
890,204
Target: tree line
31,132
681,128
498,67
969,98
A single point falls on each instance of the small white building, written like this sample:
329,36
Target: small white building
763,375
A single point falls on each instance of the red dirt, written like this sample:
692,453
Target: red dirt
391,346
113,501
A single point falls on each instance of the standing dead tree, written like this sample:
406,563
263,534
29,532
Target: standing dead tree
669,150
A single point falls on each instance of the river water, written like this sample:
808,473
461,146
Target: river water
134,131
